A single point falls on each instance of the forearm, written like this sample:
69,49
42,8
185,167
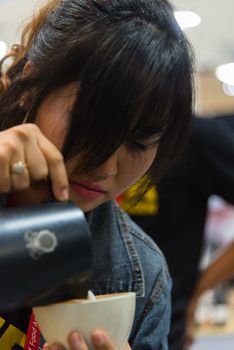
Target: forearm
218,272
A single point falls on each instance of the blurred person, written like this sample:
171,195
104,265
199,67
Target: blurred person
219,271
100,94
174,212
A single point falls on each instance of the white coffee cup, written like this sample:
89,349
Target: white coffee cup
113,313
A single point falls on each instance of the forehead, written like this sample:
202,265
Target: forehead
66,94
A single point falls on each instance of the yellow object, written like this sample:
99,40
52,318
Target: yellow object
147,206
10,336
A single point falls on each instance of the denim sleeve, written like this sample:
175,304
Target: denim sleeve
155,323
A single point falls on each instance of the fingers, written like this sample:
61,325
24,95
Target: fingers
55,346
56,169
99,339
25,145
77,342
5,178
14,173
19,174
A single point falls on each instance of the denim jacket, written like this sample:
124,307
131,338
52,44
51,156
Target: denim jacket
126,259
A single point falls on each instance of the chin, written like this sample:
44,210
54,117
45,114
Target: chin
85,206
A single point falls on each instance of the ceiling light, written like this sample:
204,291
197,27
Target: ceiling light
3,49
228,89
225,73
187,19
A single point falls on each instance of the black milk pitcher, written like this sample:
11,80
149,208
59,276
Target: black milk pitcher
45,255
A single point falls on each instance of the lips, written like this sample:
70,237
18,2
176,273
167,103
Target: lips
88,190
91,186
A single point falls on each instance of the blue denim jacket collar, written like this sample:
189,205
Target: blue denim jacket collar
113,239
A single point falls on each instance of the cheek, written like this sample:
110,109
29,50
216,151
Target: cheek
139,164
147,159
151,157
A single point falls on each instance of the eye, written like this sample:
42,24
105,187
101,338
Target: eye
136,146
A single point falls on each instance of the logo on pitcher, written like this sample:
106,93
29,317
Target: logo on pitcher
41,242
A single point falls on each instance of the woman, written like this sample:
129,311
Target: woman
99,96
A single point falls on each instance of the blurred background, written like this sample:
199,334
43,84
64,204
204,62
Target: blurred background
209,26
211,34
213,42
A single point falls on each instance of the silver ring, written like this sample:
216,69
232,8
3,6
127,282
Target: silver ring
18,168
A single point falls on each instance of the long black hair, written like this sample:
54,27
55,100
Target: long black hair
134,68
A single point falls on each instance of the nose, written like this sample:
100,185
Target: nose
108,168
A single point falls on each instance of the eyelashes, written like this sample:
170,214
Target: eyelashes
136,146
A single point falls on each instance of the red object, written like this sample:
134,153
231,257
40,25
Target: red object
119,198
33,335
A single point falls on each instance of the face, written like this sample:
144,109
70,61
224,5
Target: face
113,177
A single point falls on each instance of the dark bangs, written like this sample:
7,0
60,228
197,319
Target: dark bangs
134,69
117,100
131,89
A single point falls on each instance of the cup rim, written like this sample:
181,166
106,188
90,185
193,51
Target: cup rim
99,298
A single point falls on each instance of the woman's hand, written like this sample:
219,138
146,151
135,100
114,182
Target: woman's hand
100,341
26,157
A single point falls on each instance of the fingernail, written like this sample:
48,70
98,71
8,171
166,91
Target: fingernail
98,339
57,347
75,339
64,195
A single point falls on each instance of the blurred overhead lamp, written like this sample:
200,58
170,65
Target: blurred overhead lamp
228,89
187,19
3,49
225,73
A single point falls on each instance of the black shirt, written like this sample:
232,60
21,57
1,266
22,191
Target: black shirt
178,225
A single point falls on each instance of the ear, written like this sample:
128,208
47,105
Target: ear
27,69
